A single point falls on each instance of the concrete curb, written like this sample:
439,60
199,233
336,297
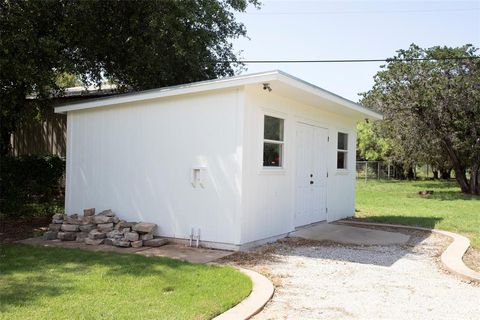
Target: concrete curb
262,291
451,257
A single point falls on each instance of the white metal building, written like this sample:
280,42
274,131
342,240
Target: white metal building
241,160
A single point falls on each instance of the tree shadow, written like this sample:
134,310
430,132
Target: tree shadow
19,292
22,283
452,195
415,221
437,184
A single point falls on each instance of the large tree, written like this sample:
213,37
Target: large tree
136,44
431,102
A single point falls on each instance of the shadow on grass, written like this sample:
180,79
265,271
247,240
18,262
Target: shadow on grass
32,272
452,195
437,184
425,222
20,292
444,196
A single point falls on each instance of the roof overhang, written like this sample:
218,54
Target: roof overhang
287,85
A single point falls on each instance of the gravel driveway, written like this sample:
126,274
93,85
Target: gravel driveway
328,281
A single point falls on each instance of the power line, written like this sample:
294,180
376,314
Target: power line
350,60
360,12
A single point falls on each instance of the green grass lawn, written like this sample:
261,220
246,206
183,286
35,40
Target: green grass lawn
398,202
57,283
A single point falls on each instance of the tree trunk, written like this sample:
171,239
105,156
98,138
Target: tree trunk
435,174
446,173
5,141
459,169
410,173
474,177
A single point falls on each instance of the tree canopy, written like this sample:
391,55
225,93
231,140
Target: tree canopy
135,44
431,105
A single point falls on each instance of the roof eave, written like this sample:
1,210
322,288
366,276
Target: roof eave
196,87
209,85
325,94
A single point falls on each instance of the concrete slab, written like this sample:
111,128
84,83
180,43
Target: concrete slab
350,235
181,252
174,251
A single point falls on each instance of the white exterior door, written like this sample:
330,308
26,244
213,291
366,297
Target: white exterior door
311,174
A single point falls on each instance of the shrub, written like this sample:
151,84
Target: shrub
31,185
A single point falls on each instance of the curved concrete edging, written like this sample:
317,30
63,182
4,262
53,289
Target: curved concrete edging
262,291
452,257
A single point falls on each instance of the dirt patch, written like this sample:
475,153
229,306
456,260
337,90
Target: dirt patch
270,252
410,232
472,259
14,229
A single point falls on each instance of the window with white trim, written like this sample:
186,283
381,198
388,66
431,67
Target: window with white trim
273,141
342,150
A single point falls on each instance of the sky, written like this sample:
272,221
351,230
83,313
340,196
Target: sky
317,30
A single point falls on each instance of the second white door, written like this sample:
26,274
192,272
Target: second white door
311,174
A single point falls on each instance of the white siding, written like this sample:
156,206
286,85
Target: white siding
268,195
136,159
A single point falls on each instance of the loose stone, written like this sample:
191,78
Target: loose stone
86,227
69,227
121,243
54,227
73,219
146,236
131,236
136,244
157,242
108,213
114,233
105,227
102,219
94,242
89,212
81,236
144,227
95,235
87,220
58,216
67,236
50,235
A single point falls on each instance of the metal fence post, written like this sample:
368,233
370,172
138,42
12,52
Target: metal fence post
366,167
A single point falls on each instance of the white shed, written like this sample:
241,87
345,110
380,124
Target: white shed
241,160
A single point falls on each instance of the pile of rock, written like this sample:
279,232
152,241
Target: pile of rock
102,228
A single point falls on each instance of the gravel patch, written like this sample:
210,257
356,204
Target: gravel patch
328,281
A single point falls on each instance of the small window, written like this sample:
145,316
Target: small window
272,142
342,150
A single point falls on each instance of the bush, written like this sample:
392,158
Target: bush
31,185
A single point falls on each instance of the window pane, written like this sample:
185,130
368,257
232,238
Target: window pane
342,141
272,155
273,128
341,160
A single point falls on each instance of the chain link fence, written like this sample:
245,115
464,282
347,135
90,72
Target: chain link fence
382,170
374,170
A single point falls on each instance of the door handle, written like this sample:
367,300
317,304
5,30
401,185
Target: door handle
311,182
